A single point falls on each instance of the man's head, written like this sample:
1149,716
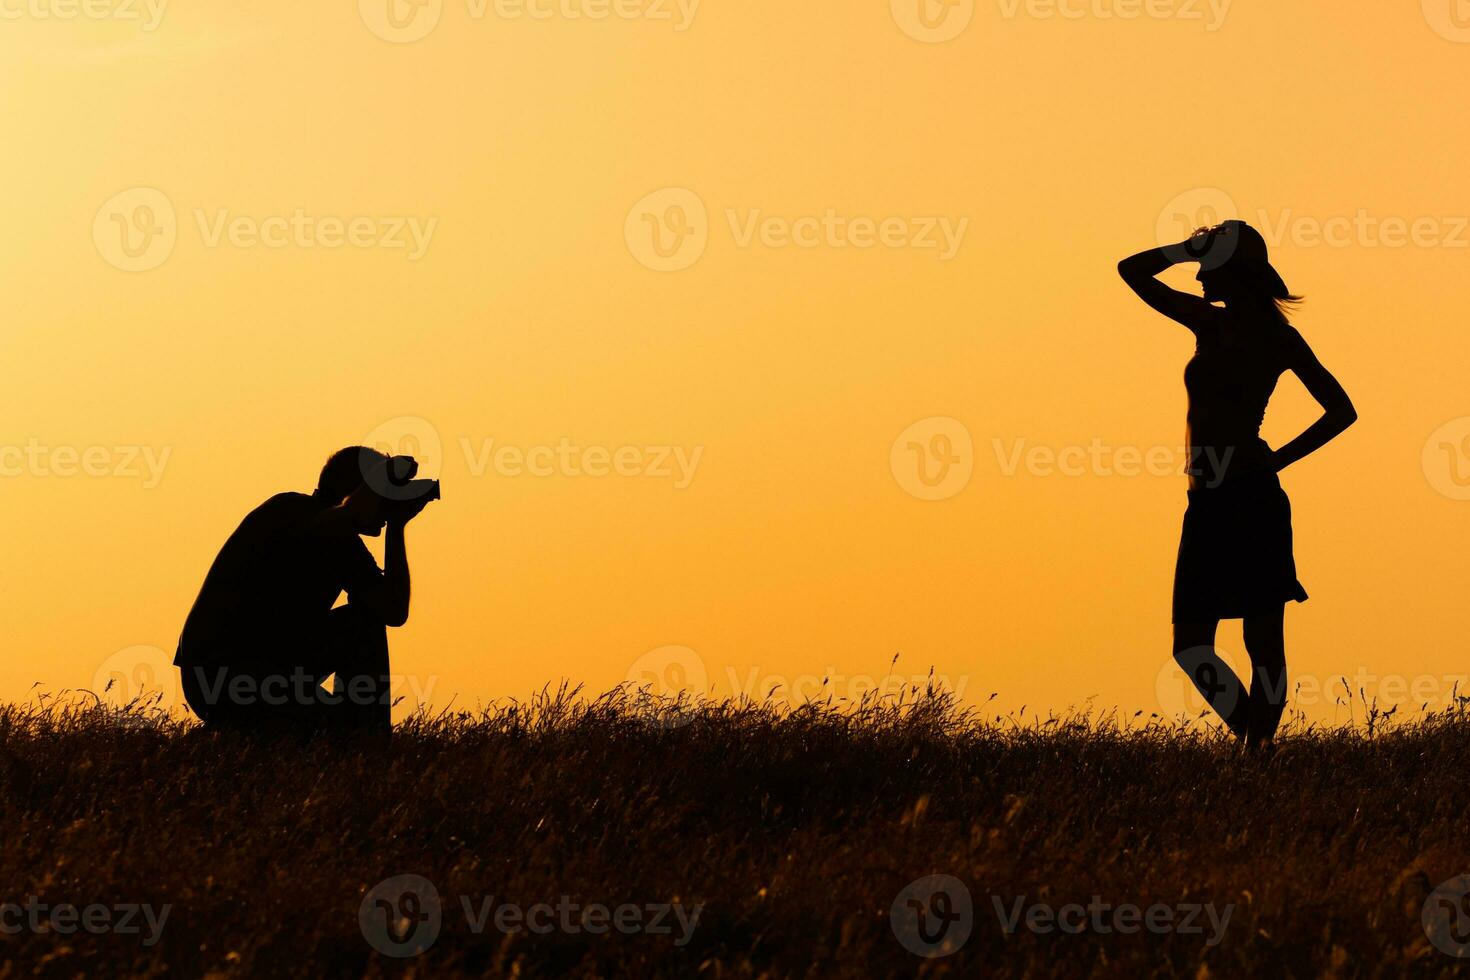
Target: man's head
345,471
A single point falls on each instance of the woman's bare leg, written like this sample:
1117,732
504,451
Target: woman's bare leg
1266,643
1194,651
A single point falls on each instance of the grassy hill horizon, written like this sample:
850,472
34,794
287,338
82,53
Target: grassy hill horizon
629,834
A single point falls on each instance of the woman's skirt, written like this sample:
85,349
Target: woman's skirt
1235,556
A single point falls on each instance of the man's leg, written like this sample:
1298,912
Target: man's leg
209,692
358,647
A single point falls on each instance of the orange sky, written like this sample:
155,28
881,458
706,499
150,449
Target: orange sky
737,259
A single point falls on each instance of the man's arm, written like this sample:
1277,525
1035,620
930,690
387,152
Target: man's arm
393,594
389,596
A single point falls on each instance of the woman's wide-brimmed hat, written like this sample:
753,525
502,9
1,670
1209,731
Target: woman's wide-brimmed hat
1238,248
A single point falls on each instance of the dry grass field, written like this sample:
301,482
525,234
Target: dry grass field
624,836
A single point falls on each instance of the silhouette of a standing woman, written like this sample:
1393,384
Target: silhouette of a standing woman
1235,554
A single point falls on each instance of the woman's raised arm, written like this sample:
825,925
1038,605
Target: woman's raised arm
1141,272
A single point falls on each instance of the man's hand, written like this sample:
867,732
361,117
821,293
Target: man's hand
403,511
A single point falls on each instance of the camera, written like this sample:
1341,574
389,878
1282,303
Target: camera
394,481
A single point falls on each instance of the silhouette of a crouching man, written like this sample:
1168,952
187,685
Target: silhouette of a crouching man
262,636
